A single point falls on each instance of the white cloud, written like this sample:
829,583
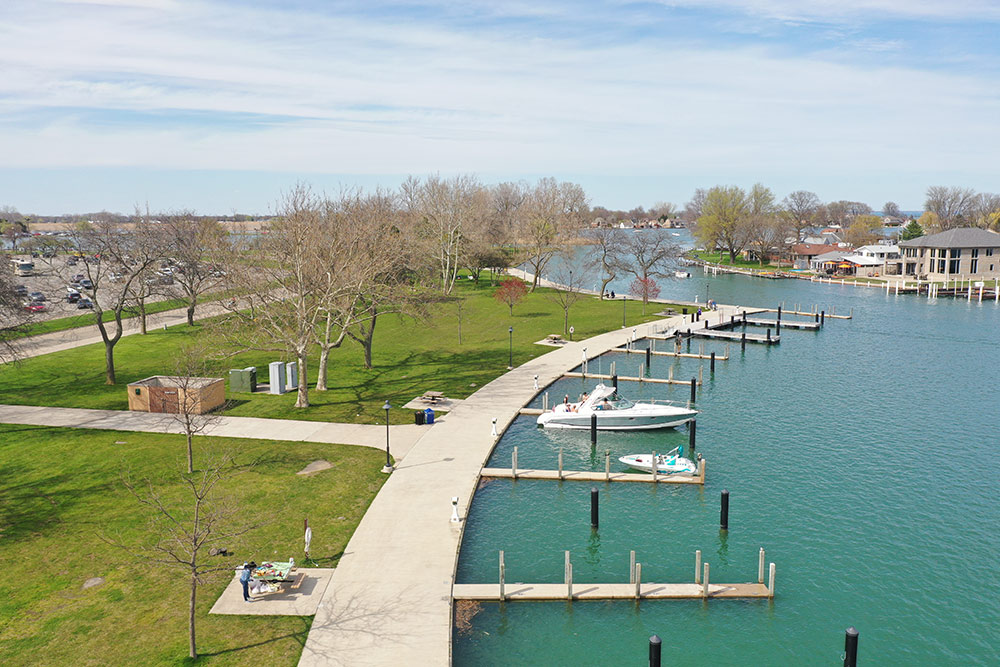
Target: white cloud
835,10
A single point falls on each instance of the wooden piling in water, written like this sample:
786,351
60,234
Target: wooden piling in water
697,566
760,567
513,463
503,573
770,582
631,567
704,581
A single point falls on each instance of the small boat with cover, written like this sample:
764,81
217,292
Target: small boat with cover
671,463
615,413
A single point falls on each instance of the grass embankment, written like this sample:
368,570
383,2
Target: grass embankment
60,491
723,260
410,357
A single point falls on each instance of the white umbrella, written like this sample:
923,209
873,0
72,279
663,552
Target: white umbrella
309,537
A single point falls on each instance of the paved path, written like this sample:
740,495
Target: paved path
401,439
389,602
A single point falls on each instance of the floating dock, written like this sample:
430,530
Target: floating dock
592,476
808,314
785,324
733,336
538,592
680,355
623,378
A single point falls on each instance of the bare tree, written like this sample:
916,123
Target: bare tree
605,255
554,213
189,377
573,283
891,210
986,210
953,206
115,256
650,254
181,534
447,209
693,209
13,317
191,241
767,234
801,208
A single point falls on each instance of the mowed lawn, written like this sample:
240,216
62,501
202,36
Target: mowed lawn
60,491
410,356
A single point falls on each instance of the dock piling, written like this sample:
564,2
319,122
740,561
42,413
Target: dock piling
545,402
607,465
822,317
631,566
649,352
642,371
569,581
594,508
655,646
743,342
513,463
850,647
712,367
502,573
692,428
760,567
701,374
697,566
614,381
638,580
694,387
593,428
704,582
724,511
768,335
770,581
560,463
779,312
653,467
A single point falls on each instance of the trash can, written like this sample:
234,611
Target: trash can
418,417
429,416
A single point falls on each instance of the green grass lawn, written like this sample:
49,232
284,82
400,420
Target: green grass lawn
60,491
87,318
409,358
723,259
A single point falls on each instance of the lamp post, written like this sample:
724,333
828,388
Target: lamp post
510,349
623,311
388,462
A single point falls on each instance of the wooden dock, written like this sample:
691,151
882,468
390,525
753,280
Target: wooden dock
807,314
580,591
534,412
733,336
785,324
623,378
591,476
679,355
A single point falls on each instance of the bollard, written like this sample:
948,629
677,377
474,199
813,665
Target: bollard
724,511
697,566
560,463
822,317
502,573
779,313
850,647
704,582
545,402
760,567
569,581
494,432
692,428
770,583
638,580
694,387
536,383
594,508
631,567
593,429
655,644
712,367
768,335
454,510
743,342
649,356
614,381
513,463
607,465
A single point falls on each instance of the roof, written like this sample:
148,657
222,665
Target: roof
959,237
877,248
834,256
861,260
173,382
810,248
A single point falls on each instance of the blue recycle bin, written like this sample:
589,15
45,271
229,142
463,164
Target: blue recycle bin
429,416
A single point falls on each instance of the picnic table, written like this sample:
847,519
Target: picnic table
272,571
432,397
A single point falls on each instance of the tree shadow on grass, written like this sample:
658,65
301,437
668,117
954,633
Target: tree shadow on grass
298,636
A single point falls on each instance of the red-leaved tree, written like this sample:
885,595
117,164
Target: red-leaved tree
644,289
511,292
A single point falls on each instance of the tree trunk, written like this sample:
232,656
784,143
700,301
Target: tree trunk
302,398
367,342
190,311
566,321
193,652
190,448
142,316
604,285
732,256
324,356
109,362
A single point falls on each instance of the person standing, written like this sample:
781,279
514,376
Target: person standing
245,581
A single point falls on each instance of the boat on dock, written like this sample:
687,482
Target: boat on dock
615,413
670,463
682,274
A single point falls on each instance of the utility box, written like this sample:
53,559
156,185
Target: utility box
291,376
276,377
239,381
251,372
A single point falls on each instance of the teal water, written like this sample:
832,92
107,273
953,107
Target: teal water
863,458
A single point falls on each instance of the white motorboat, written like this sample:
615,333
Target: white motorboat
682,274
670,463
614,413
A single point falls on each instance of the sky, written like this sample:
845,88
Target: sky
220,106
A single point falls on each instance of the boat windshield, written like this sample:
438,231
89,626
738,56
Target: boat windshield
615,402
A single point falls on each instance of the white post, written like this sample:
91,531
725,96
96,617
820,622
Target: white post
513,463
536,383
670,374
760,567
704,583
701,469
642,371
653,466
545,402
631,567
569,582
638,580
566,566
494,432
970,290
502,573
701,373
454,509
560,463
697,566
770,582
607,465
981,292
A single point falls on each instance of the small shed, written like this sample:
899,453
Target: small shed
168,394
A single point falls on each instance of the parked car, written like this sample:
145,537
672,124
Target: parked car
78,277
84,303
87,283
71,260
34,307
72,296
37,296
21,290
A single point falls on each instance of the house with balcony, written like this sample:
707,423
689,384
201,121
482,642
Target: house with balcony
960,253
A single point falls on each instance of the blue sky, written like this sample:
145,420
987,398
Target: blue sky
219,106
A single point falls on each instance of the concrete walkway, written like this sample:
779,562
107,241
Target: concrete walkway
389,602
401,437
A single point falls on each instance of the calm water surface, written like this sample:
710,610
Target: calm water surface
863,458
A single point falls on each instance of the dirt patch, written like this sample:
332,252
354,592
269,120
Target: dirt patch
315,467
93,581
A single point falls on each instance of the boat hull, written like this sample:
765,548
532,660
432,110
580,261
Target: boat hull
670,465
615,422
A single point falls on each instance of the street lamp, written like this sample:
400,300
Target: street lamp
623,311
388,463
510,349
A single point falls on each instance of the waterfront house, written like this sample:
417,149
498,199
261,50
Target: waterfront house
803,253
960,253
828,261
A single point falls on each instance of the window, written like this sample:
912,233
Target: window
974,265
940,266
953,265
956,252
911,268
989,252
975,253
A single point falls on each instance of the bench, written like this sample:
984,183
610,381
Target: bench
554,338
432,397
299,578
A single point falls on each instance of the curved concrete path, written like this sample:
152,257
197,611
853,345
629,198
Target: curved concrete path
402,437
389,602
